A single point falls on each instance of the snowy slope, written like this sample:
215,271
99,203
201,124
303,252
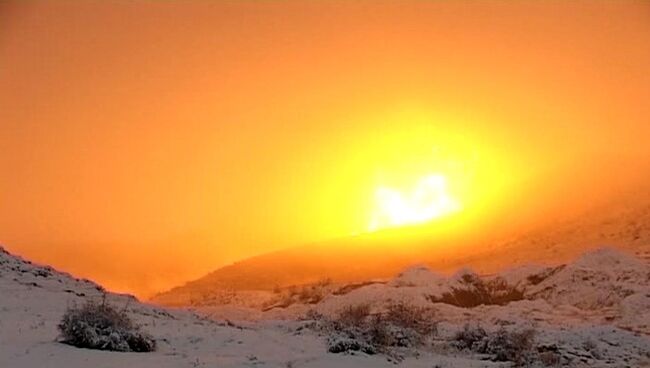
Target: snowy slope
592,312
600,301
599,279
33,299
624,226
602,284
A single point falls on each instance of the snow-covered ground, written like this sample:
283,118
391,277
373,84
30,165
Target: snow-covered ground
592,312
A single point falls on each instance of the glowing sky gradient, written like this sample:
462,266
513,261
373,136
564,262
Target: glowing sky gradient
145,143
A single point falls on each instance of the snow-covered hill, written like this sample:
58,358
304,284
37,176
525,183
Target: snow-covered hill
33,298
589,313
624,226
599,279
602,299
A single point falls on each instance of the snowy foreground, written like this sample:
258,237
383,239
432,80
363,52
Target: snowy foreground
594,312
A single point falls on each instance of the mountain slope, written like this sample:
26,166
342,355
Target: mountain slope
611,334
591,312
624,226
33,298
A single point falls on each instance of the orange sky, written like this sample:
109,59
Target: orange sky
145,143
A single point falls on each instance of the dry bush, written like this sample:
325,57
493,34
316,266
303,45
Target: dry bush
517,346
590,346
399,328
420,319
101,326
512,346
313,315
310,295
304,294
346,289
470,338
476,291
354,316
549,359
537,278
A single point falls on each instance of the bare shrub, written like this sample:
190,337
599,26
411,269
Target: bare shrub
342,344
537,278
420,319
346,289
549,358
591,346
310,295
470,338
303,294
354,316
101,326
515,346
350,330
400,326
313,315
475,291
512,346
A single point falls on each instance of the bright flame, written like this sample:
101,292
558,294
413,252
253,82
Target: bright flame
428,200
